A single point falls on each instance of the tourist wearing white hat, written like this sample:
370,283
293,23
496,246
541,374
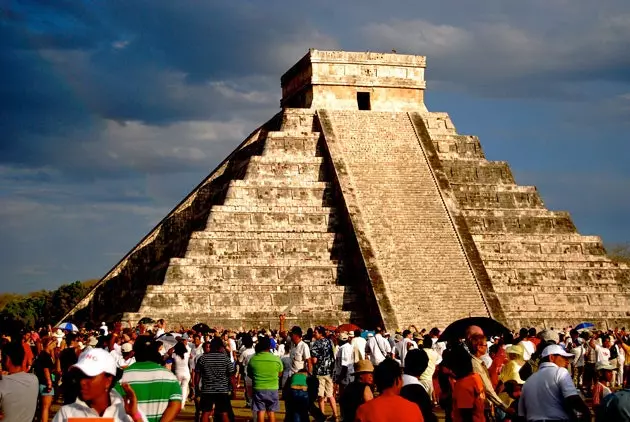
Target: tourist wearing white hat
97,398
550,393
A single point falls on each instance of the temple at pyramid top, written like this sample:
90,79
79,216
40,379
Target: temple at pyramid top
341,80
354,203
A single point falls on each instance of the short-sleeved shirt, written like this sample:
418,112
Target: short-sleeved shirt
389,407
215,369
18,396
469,393
299,354
344,357
43,361
264,368
154,386
544,393
322,350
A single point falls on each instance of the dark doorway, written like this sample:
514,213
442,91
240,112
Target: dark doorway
363,99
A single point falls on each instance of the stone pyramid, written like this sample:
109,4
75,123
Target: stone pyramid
356,204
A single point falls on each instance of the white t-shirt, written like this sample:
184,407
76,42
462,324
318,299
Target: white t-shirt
603,354
18,396
181,370
194,352
544,393
245,356
123,363
427,375
79,409
358,344
530,349
299,354
378,347
233,348
344,357
402,347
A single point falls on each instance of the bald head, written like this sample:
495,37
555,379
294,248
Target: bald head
473,330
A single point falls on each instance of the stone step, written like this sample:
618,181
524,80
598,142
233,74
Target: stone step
466,171
309,300
536,238
555,223
275,192
257,171
273,236
272,208
298,119
526,256
458,147
261,247
253,290
439,123
518,213
253,261
498,200
560,289
540,264
292,144
539,247
272,221
484,188
201,274
558,275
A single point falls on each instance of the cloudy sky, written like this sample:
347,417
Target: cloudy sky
111,111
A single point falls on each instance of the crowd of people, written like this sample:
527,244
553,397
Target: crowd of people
146,372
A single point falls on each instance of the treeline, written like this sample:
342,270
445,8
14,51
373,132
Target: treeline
38,309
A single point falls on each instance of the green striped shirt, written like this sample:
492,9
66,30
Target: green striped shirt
154,386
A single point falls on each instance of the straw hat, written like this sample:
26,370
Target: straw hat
363,366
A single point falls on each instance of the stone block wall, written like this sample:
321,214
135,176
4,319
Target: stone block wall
544,272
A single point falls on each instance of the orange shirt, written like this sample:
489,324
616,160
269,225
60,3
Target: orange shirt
468,393
28,356
389,407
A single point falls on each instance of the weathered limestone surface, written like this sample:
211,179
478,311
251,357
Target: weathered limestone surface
355,203
543,271
417,263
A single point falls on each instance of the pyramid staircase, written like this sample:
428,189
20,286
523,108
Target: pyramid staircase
272,245
535,258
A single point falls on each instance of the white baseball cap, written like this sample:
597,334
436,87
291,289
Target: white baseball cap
96,361
127,347
554,349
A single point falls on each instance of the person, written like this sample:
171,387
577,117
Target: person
478,347
416,362
265,369
359,391
157,389
549,393
426,379
344,362
296,397
300,352
358,346
246,354
614,408
18,389
181,356
28,352
389,405
96,371
602,387
126,358
469,393
160,327
377,347
44,368
214,370
510,371
68,357
322,361
403,346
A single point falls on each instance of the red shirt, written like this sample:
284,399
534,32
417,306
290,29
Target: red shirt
468,393
389,407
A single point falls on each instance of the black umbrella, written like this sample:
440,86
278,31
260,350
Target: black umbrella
457,329
146,320
201,328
